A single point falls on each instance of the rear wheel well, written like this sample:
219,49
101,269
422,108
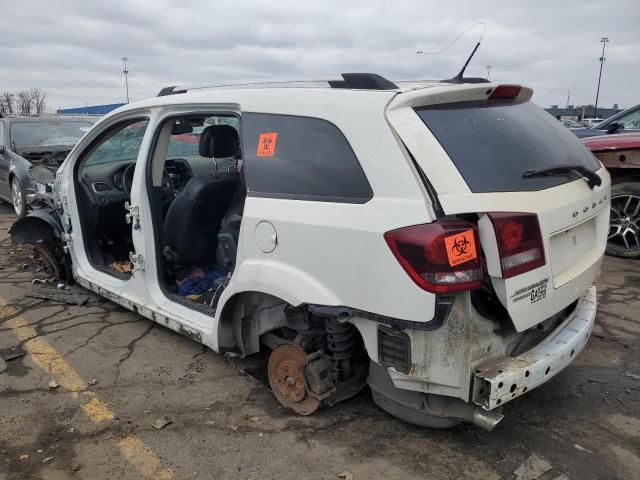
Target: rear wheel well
239,328
315,359
623,175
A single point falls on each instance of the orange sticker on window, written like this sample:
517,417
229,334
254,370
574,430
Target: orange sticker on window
461,247
267,144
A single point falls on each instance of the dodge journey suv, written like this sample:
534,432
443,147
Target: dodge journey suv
437,242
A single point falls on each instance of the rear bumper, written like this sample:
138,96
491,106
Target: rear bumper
500,380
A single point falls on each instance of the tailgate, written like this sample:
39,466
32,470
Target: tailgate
574,222
475,151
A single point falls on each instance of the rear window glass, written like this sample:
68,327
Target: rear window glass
300,158
493,144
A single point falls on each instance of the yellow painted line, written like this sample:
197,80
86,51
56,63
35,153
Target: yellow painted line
97,411
48,358
141,457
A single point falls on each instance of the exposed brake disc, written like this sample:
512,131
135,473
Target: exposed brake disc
286,377
49,259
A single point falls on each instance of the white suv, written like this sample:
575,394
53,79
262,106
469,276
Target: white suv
436,241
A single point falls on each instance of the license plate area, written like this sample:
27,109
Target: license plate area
571,250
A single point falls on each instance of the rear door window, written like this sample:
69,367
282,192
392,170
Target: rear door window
493,143
300,158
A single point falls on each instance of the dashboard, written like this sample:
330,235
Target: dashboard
106,181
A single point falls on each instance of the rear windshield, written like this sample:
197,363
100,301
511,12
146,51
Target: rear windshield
494,143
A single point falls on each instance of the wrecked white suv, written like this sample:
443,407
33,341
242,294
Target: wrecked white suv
436,241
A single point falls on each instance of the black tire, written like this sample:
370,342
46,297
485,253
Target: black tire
624,224
18,200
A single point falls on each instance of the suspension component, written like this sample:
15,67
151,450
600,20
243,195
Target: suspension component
340,344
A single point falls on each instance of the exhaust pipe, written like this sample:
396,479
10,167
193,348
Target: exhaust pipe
485,419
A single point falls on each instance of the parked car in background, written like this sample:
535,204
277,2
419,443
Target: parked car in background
570,124
28,141
620,154
591,122
625,121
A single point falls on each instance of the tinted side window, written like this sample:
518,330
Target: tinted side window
300,158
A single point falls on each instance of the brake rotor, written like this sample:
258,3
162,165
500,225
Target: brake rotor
286,378
48,258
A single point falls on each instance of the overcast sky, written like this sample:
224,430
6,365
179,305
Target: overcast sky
72,49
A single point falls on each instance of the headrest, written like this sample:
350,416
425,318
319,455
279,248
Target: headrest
219,141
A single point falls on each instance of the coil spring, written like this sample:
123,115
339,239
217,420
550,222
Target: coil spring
339,339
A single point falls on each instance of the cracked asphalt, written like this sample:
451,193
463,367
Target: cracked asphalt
225,424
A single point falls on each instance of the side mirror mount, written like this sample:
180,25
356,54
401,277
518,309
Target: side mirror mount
614,127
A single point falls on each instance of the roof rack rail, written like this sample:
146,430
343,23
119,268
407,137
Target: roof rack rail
465,80
363,81
170,91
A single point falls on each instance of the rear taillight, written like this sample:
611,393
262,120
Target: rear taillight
519,242
440,257
505,92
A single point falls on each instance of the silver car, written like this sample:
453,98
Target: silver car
28,141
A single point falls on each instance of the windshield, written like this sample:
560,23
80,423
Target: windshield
493,143
49,133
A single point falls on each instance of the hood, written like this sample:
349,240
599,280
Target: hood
45,155
623,141
587,132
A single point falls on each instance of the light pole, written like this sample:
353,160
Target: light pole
126,75
489,67
604,41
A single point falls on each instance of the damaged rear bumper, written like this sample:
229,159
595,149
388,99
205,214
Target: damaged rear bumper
500,380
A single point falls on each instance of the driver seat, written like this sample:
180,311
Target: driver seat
193,220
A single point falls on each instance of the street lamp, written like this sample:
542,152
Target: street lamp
489,67
126,75
604,41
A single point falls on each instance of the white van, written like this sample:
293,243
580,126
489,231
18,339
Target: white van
436,241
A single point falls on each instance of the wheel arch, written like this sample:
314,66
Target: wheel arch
239,329
37,226
622,175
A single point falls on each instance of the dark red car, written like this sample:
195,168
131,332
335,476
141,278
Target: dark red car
620,154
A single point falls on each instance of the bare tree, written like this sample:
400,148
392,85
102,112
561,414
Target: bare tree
7,100
24,102
38,100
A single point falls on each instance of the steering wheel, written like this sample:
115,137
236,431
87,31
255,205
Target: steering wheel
167,192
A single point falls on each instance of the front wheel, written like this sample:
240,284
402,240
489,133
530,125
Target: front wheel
624,223
18,199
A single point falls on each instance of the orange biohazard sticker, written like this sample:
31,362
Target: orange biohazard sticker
267,144
461,247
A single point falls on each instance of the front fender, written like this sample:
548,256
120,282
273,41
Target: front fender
39,225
